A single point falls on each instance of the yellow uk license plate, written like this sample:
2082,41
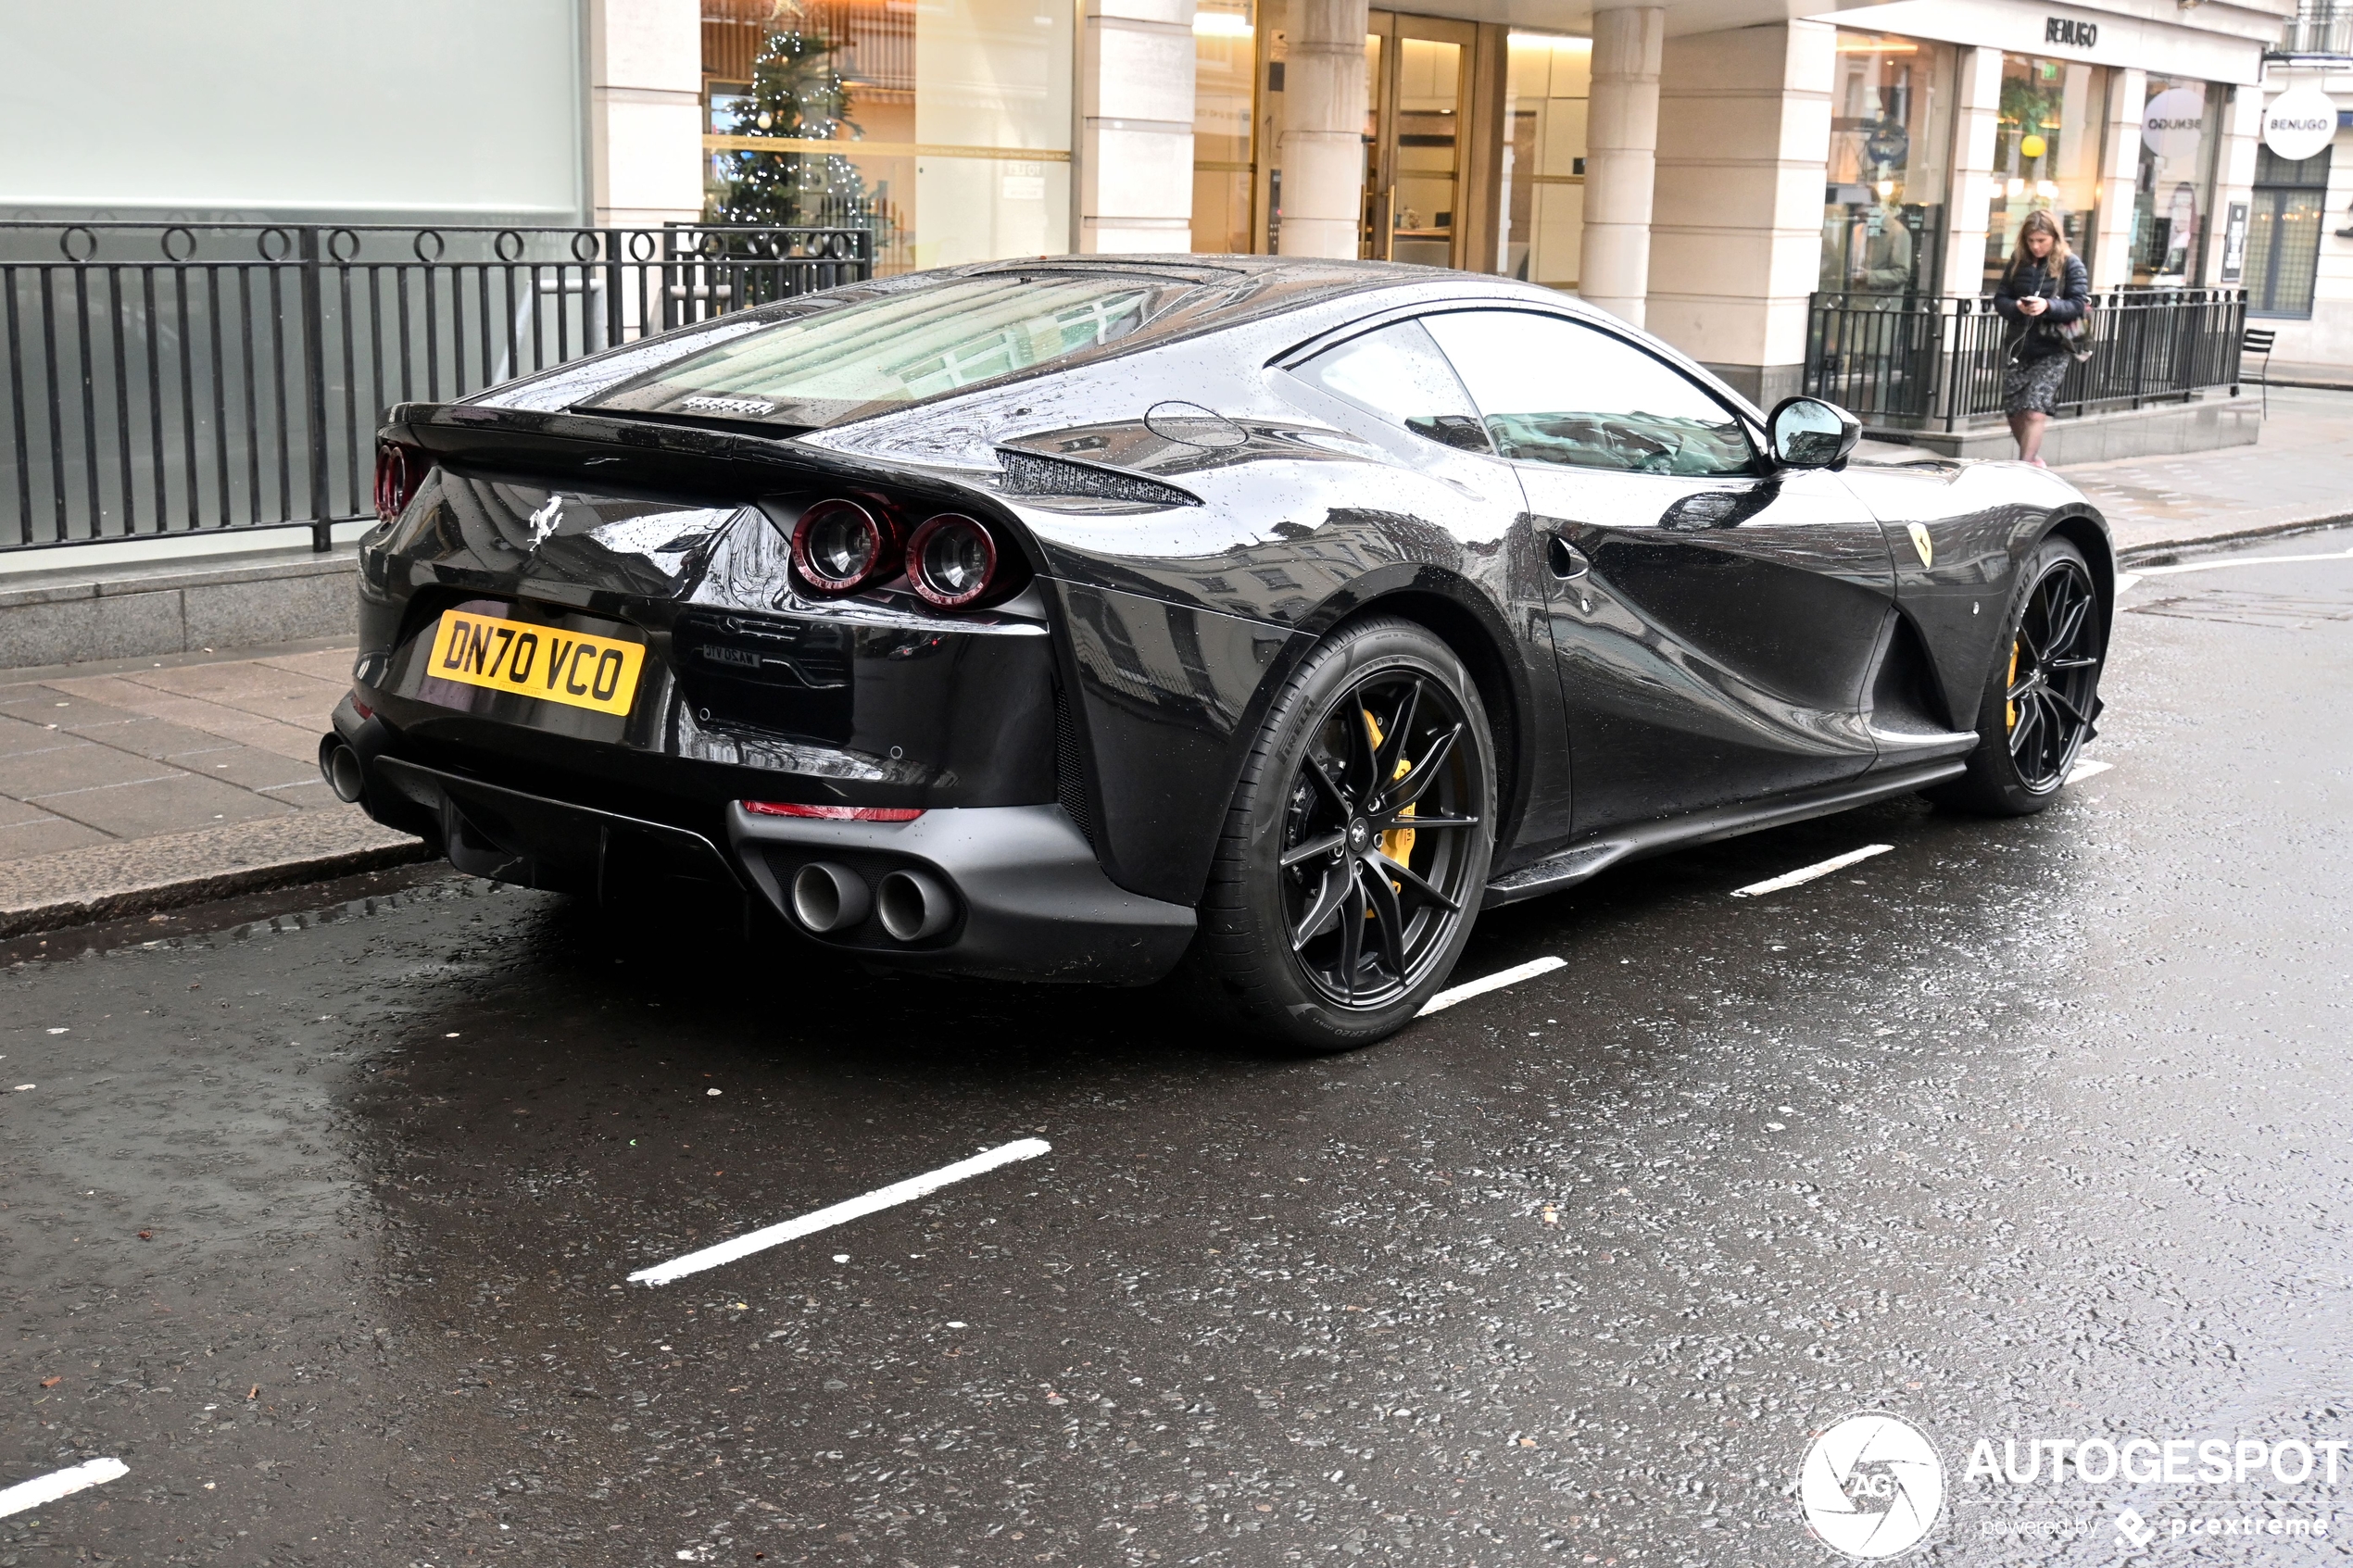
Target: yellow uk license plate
572,668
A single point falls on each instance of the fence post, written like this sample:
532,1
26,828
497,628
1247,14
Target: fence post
1955,357
314,389
616,288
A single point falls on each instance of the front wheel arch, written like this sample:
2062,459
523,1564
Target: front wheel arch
2084,530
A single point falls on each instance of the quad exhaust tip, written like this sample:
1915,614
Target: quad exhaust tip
913,906
339,765
827,898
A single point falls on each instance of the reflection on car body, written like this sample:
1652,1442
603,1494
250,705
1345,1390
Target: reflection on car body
1257,621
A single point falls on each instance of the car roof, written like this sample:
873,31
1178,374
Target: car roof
1229,291
1209,294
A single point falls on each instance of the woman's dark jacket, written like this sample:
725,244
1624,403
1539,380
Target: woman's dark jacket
2069,299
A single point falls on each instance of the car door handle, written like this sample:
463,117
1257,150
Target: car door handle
1569,562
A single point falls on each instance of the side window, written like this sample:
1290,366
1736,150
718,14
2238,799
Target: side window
1554,391
1399,374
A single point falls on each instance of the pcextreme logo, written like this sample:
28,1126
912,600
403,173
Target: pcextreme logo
1871,1486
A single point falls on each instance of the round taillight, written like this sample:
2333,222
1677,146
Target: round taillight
399,470
838,545
951,561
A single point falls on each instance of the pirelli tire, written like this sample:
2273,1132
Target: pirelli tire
1356,850
2041,700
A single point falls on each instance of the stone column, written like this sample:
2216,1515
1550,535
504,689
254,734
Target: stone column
1976,111
2112,251
645,112
1136,134
2234,174
1736,236
1323,144
1621,144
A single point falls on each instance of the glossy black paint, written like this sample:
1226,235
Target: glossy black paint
1719,647
1654,652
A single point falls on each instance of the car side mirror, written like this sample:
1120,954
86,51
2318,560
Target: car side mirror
1452,430
1809,433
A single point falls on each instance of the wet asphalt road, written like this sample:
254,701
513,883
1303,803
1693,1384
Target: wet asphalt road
2024,1128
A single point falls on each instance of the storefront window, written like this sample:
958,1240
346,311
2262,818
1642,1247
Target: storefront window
1424,197
2175,190
1546,90
1891,136
1225,57
943,128
2046,153
2284,232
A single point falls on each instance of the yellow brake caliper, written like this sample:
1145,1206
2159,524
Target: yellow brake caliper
1396,843
2010,708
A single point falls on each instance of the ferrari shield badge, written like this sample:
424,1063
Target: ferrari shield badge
1922,542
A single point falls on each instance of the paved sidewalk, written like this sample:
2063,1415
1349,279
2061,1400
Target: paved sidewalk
2299,475
2291,373
166,779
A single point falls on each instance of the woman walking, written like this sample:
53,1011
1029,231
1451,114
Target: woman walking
2043,288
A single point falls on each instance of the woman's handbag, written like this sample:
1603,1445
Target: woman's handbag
2074,337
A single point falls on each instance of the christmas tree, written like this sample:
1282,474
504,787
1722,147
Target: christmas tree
797,92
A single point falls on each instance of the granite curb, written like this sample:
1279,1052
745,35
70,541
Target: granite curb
2147,552
141,876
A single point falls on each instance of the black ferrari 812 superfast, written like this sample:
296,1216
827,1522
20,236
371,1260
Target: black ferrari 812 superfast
1247,620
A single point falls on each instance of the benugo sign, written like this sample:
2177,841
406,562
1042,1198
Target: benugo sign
2299,122
2071,31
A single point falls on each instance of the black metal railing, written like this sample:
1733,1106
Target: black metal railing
2324,29
1918,361
166,379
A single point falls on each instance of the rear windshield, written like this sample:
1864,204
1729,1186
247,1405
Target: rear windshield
882,354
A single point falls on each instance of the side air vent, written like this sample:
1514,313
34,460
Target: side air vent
1070,768
1905,696
1027,473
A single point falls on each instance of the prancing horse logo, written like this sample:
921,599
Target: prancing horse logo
1922,542
545,520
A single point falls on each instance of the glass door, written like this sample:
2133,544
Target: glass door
1416,81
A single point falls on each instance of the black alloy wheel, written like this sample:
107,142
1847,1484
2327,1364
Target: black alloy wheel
2043,696
1373,838
2053,674
1357,848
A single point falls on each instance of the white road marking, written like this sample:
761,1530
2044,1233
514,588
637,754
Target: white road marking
2087,769
2236,561
60,1483
841,1213
1807,873
1495,982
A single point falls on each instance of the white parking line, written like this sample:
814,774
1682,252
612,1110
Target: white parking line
2087,769
2236,561
1807,873
1495,982
840,1213
60,1483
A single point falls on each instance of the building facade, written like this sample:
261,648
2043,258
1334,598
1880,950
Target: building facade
1702,167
